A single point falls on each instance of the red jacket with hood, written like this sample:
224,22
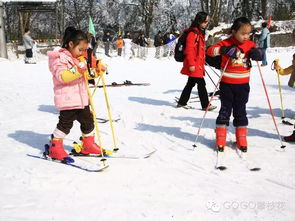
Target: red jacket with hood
194,54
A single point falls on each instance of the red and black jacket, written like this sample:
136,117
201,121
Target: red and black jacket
237,70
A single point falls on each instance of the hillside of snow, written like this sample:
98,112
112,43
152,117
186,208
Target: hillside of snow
174,184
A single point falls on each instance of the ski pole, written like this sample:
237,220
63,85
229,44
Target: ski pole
211,98
101,77
276,61
96,86
109,110
94,118
270,109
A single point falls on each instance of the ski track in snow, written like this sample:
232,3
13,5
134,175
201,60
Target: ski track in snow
176,183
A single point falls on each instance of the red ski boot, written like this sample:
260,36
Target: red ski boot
220,137
290,138
56,150
89,146
241,136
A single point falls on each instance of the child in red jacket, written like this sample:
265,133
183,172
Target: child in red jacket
235,52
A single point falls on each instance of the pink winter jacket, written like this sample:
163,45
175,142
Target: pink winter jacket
70,95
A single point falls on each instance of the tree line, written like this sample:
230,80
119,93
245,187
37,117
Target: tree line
146,16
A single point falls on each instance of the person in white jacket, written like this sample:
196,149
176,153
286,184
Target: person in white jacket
28,44
127,46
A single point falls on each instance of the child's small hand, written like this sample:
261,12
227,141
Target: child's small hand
82,66
100,68
276,64
230,51
255,54
277,67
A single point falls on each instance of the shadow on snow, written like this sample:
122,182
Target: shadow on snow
150,101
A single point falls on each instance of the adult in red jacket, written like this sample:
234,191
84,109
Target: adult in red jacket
194,63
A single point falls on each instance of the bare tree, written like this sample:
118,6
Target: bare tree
284,10
264,8
213,8
3,50
135,15
147,13
248,8
75,12
24,20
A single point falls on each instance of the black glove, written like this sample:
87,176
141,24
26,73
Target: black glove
255,54
230,51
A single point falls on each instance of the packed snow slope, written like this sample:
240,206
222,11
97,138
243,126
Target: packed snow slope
176,183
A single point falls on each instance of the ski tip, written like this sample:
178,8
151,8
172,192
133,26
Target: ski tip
149,154
221,168
283,146
103,168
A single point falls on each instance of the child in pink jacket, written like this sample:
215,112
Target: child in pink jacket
70,94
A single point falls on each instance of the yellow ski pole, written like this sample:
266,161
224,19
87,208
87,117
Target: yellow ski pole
96,85
109,109
94,119
275,62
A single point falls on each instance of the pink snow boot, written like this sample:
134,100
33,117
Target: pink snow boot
220,137
241,136
89,146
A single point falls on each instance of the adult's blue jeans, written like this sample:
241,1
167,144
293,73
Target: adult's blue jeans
264,61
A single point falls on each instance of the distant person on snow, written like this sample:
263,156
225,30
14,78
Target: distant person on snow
142,42
28,44
107,40
120,43
157,43
170,44
236,52
264,42
70,94
194,63
291,83
127,46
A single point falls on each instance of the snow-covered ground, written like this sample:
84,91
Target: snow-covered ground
176,183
